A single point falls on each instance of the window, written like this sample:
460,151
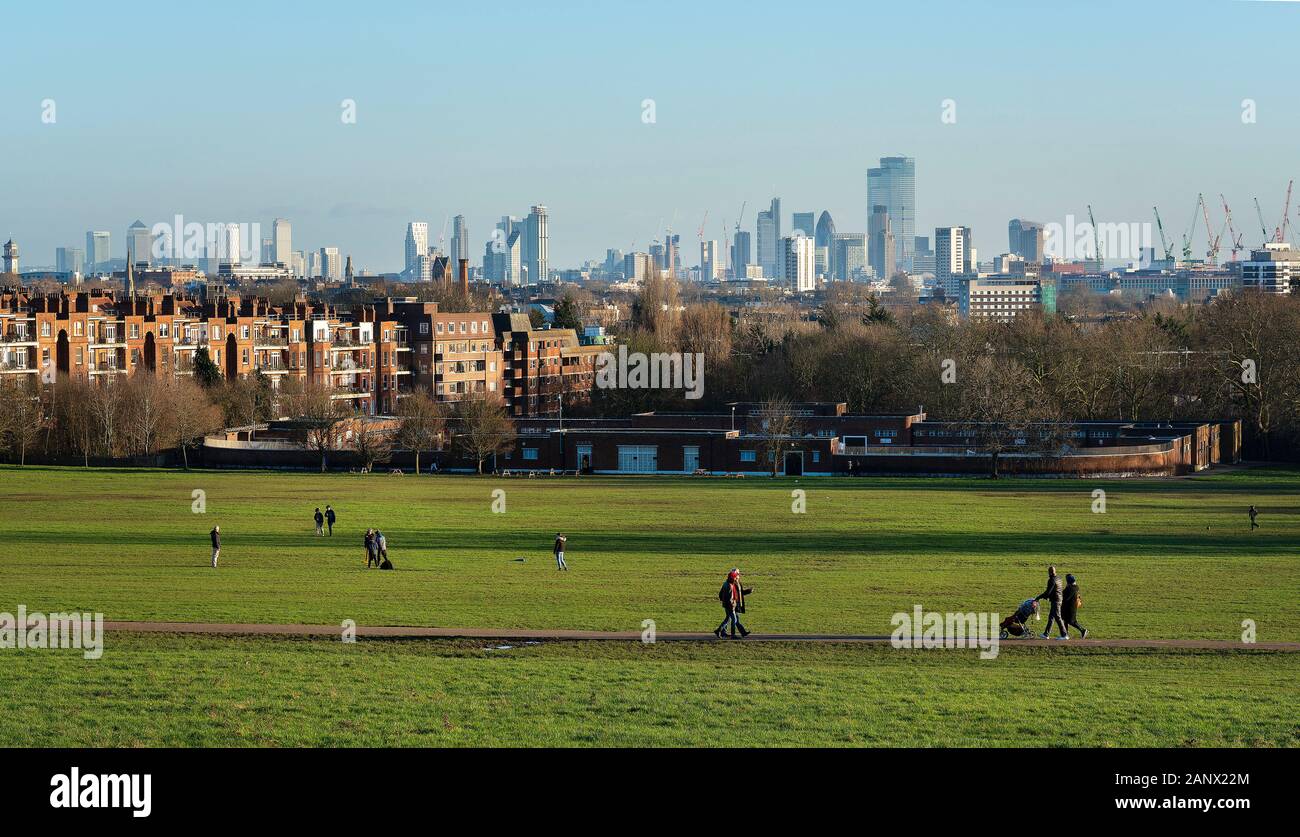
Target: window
638,459
485,327
748,456
424,328
79,355
473,327
45,329
243,332
216,332
530,453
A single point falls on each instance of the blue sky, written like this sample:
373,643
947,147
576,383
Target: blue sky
231,112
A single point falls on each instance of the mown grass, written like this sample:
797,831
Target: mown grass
170,690
1168,558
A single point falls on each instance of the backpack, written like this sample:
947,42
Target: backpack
387,565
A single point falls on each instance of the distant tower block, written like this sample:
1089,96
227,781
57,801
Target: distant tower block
11,257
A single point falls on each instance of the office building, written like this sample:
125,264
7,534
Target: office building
1026,239
1273,270
798,264
768,230
893,186
459,240
741,255
282,242
417,251
882,250
954,258
847,257
97,251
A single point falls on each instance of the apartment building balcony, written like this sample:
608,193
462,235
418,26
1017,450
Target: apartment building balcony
18,337
14,364
189,343
270,341
349,391
108,343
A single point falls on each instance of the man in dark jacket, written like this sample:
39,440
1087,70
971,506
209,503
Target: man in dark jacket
320,521
329,519
1254,513
370,549
215,534
1070,606
732,595
1053,595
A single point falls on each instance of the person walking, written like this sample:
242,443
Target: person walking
370,548
1053,595
329,519
560,541
1073,600
215,534
320,521
1254,513
381,544
732,595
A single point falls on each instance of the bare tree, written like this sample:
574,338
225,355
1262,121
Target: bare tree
22,417
776,427
106,400
192,415
423,422
1003,408
146,411
315,407
372,444
485,427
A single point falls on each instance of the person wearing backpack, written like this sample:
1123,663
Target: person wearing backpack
1070,606
732,595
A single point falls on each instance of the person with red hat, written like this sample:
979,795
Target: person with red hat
732,595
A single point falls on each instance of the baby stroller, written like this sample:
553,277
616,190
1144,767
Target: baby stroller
1014,625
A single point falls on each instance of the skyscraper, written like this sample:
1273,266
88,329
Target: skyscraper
97,250
536,246
282,242
331,267
768,229
847,257
139,243
70,260
882,249
953,258
798,264
893,186
1025,239
804,222
417,246
822,241
459,240
710,261
741,254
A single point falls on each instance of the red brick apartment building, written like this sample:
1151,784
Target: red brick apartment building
370,357
545,365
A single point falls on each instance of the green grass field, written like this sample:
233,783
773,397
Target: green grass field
1168,559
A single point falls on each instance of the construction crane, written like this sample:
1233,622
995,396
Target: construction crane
1234,237
1164,242
743,204
1212,254
1280,235
1191,232
1096,239
700,232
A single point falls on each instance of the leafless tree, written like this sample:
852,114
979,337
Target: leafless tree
192,417
776,428
422,424
485,428
22,417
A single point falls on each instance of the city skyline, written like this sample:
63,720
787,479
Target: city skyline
1102,119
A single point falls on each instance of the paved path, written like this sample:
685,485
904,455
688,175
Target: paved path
242,629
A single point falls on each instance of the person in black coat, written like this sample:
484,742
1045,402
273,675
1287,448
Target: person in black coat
1053,595
329,519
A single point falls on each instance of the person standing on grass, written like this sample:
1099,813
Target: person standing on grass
560,541
329,518
320,521
1053,595
1070,606
381,544
732,595
370,548
1253,512
215,534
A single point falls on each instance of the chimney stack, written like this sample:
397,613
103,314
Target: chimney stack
464,276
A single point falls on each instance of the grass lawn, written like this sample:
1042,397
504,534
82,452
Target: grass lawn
211,691
1169,558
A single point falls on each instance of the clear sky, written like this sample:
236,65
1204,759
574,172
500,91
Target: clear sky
231,112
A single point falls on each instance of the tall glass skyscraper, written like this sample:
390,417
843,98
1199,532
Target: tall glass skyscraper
893,186
459,241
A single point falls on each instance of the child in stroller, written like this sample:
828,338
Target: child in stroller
1014,625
